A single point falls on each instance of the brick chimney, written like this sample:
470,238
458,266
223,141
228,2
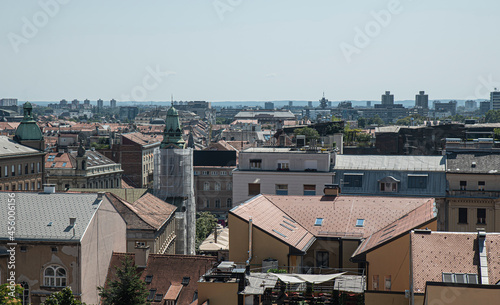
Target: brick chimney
141,256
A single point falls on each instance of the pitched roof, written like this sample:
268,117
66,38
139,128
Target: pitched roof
273,220
341,214
129,194
59,160
9,147
46,216
473,163
437,252
142,139
412,220
392,162
95,158
168,272
146,213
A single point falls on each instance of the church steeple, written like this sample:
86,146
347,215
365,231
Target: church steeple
172,135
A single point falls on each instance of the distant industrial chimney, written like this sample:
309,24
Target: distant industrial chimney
49,188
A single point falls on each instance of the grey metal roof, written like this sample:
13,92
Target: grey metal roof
10,148
46,216
400,163
479,162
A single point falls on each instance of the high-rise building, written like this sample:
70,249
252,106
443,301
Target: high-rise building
86,102
100,103
484,107
174,181
388,98
368,104
422,100
495,100
450,107
8,102
309,104
269,105
470,105
112,103
290,103
63,103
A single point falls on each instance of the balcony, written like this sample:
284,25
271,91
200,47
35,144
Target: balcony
474,194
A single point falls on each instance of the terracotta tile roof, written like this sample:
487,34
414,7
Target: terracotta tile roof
154,210
59,160
173,292
438,252
142,139
146,213
273,220
340,215
412,220
240,145
125,185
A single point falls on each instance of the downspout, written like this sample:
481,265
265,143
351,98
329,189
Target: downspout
250,224
412,294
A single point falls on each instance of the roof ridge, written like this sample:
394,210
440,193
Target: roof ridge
131,208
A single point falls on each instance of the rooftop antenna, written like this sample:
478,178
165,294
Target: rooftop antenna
172,99
323,94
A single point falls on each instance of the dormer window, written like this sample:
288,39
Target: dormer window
388,184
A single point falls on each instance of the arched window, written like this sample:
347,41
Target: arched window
54,276
25,297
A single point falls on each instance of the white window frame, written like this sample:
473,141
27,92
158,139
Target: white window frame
55,280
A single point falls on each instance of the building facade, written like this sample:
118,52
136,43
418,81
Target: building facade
281,171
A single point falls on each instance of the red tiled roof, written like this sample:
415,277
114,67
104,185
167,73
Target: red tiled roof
273,220
173,292
414,219
142,139
340,215
437,252
153,210
58,160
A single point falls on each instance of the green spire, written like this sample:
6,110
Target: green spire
28,129
172,135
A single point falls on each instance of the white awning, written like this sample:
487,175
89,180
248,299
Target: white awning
295,278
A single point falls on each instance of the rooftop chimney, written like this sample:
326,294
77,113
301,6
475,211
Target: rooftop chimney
72,221
49,188
141,256
100,195
331,190
483,259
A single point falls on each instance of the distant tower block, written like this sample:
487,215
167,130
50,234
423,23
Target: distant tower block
388,98
422,100
173,181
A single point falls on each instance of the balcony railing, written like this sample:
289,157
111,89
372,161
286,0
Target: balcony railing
477,194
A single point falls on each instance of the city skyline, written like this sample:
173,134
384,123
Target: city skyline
248,51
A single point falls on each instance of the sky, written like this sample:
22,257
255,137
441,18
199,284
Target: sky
241,50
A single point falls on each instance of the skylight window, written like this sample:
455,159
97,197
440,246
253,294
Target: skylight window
148,279
185,280
318,222
360,222
64,164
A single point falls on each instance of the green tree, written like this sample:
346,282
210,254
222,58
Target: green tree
361,122
376,120
64,297
492,116
7,296
496,134
205,224
310,133
127,289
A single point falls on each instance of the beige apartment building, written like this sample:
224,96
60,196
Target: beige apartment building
281,171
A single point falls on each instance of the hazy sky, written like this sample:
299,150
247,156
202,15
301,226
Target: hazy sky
234,50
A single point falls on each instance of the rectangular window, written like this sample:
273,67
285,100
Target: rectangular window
217,186
281,189
481,216
353,180
481,185
229,186
196,173
360,222
387,283
417,181
375,282
223,173
309,189
214,173
217,203
311,165
204,173
38,167
19,169
283,165
33,167
207,203
318,222
13,170
253,189
322,259
206,186
463,185
462,215
255,163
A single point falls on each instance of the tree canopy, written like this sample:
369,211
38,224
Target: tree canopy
127,289
310,133
205,224
64,297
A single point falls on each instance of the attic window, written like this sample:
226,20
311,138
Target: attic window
64,164
185,280
318,222
158,297
148,279
461,278
151,295
473,164
360,223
